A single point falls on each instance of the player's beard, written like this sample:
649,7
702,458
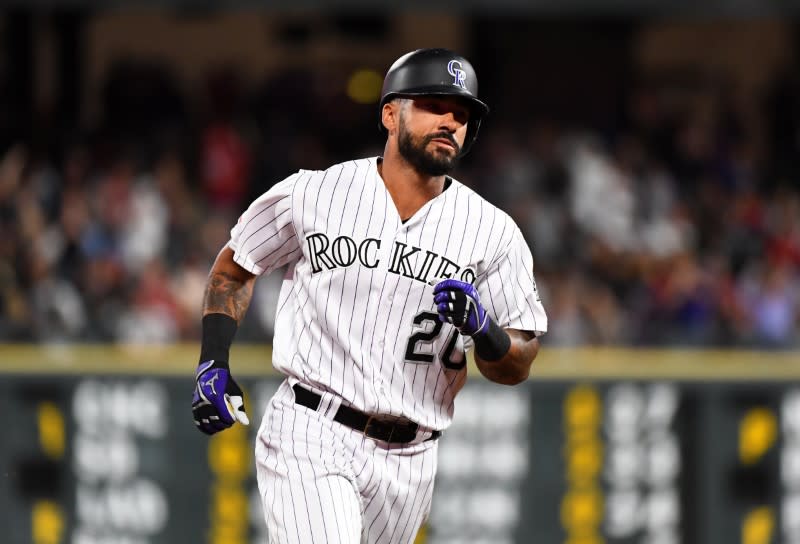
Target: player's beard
415,151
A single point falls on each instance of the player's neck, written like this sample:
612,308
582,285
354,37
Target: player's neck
410,190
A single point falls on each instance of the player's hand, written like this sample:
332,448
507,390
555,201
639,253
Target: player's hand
458,303
218,401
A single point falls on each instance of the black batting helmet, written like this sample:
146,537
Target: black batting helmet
436,72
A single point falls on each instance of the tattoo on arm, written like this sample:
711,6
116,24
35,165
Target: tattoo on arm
228,295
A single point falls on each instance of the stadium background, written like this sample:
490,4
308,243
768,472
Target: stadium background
649,151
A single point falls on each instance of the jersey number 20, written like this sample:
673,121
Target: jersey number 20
419,347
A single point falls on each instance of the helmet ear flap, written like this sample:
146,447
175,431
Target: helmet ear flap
472,134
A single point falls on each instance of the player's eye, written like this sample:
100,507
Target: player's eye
430,106
461,115
438,107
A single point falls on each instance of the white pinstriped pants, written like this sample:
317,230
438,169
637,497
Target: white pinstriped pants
322,482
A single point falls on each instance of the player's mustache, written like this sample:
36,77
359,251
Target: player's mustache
443,136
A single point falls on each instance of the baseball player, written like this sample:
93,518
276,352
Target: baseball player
394,271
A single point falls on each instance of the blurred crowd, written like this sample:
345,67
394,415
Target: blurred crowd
677,224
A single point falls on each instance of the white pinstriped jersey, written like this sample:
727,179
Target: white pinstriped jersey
355,315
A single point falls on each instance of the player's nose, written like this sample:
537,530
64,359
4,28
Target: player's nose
448,122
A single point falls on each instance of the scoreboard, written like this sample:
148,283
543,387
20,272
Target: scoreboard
622,462
603,446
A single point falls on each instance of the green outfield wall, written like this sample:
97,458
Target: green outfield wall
601,445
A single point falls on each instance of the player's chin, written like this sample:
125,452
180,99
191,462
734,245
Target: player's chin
439,165
443,159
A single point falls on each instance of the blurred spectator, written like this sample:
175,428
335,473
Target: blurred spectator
225,160
770,296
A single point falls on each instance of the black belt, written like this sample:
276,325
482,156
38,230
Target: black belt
371,426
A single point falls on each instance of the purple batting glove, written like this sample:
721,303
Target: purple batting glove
458,303
218,401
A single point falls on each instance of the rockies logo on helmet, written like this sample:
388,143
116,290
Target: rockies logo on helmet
459,75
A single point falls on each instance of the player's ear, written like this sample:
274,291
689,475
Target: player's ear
390,115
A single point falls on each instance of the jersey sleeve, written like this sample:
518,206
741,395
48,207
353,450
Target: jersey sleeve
508,289
264,238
